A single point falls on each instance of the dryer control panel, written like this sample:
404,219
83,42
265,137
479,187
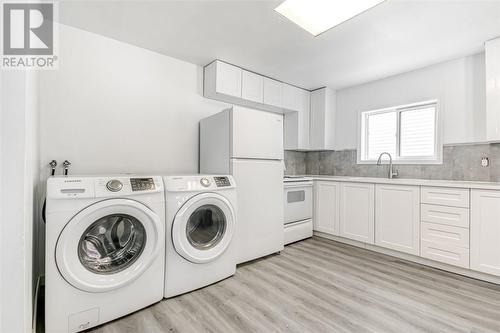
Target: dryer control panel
142,184
222,181
199,183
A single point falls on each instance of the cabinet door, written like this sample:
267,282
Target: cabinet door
304,108
397,218
228,79
492,63
317,119
357,212
252,87
326,207
291,97
485,231
272,92
322,119
291,130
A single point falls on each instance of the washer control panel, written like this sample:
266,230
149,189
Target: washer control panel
205,182
142,184
114,185
222,181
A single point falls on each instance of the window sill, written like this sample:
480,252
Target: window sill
404,162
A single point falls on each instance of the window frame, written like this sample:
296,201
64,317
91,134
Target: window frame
362,136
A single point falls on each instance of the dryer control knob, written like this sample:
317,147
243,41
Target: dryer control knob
114,185
205,182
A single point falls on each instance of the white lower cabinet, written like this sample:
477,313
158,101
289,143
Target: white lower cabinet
444,235
448,254
452,216
444,228
326,207
357,212
414,220
485,231
397,217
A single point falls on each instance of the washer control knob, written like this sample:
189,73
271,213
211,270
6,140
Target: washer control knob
114,185
205,182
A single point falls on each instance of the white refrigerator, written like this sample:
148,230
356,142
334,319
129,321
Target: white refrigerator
248,144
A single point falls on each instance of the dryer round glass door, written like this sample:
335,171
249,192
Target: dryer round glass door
108,245
203,227
206,227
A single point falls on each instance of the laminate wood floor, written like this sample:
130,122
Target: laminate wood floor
319,285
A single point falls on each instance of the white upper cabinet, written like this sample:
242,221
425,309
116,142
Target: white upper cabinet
291,131
357,212
232,84
296,103
485,231
304,121
272,92
492,53
291,97
308,124
296,130
252,87
322,119
397,217
222,81
295,99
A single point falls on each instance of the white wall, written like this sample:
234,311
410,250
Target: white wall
459,85
113,108
1,199
18,178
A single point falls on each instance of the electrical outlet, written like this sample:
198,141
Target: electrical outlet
485,161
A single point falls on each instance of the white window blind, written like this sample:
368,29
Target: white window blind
381,134
418,132
409,133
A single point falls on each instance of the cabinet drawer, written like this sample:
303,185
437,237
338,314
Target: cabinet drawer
452,255
455,197
444,234
298,231
453,216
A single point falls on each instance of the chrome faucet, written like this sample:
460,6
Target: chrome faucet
392,173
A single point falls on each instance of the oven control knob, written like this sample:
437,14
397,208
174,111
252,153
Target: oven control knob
114,185
205,182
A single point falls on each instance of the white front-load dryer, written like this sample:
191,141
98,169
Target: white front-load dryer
105,249
200,224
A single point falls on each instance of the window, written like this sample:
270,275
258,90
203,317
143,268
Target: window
409,133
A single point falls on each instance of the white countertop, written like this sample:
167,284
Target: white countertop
403,181
294,179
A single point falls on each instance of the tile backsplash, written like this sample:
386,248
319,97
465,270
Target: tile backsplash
460,162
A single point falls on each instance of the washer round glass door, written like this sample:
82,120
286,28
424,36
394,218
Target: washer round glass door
112,243
108,245
203,227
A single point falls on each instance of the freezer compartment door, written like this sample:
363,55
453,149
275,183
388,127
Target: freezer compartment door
256,134
259,223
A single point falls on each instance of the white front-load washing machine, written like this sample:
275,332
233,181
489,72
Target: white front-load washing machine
105,249
200,223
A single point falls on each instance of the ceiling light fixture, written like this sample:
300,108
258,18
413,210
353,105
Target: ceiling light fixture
318,16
